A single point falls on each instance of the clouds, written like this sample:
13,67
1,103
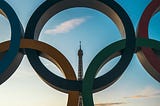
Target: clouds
148,92
137,96
110,104
66,26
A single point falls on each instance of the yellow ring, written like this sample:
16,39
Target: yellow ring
53,55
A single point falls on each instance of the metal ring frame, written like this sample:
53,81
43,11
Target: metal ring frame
14,49
147,56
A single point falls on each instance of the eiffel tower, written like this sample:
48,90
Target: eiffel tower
80,71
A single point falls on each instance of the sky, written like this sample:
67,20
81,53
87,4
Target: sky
64,31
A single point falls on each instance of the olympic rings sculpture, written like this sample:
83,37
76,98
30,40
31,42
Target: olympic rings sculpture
26,43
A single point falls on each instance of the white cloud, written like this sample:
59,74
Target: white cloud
148,92
110,104
66,26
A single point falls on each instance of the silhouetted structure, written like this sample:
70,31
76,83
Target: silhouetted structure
80,71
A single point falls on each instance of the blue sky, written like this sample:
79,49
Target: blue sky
64,31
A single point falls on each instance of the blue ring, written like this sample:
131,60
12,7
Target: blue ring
12,55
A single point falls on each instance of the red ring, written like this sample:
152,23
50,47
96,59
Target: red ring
147,57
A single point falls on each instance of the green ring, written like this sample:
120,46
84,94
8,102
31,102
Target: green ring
89,82
118,47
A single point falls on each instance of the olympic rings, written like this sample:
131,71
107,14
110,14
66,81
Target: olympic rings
12,55
147,57
29,45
